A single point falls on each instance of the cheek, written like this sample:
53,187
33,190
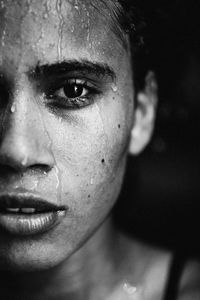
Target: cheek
90,154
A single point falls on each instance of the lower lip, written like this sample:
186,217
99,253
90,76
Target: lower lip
21,224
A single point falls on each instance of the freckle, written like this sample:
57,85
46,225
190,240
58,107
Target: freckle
103,161
119,126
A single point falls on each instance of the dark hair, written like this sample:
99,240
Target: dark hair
134,23
128,19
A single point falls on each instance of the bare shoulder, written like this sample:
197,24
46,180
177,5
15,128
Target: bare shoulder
190,295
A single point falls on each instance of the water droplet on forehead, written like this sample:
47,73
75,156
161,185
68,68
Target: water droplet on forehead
76,5
60,29
38,43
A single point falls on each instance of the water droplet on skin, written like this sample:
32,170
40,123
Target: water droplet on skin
58,183
57,177
87,24
16,186
24,161
114,88
13,108
72,29
60,29
2,4
47,7
76,5
3,38
129,289
45,16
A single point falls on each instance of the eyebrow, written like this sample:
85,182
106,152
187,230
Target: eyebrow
84,67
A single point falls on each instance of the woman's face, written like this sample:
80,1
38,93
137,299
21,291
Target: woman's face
66,117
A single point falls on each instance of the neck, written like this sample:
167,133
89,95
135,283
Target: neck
90,272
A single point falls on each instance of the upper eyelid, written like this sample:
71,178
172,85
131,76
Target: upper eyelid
54,86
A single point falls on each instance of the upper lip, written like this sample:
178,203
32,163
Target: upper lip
27,200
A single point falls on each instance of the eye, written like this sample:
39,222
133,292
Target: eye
73,89
74,93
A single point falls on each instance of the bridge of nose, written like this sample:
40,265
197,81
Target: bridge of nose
25,139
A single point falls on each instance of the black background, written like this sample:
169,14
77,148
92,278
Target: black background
160,199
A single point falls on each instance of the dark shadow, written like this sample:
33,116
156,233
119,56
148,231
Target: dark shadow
176,269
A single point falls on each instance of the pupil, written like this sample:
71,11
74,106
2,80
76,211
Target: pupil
73,90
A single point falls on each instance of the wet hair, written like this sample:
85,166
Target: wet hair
134,24
127,20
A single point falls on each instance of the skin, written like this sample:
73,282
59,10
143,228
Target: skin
72,143
70,156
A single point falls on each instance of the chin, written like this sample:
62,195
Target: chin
29,256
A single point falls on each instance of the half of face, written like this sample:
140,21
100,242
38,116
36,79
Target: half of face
67,123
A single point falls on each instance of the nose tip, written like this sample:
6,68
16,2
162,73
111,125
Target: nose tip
16,153
19,153
24,145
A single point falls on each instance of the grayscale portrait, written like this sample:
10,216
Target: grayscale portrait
78,99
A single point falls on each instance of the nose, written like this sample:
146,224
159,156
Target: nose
24,140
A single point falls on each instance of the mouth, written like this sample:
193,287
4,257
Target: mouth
28,214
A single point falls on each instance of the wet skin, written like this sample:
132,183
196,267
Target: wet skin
71,153
67,112
67,121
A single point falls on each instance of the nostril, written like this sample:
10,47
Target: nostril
6,170
4,93
40,168
23,144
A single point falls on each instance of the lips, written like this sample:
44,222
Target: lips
28,214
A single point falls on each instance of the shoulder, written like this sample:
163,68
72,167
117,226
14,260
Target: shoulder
190,295
158,275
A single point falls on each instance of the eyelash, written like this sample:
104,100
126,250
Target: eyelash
60,100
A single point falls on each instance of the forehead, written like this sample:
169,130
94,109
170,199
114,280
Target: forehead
49,30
